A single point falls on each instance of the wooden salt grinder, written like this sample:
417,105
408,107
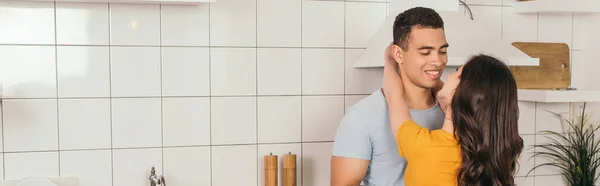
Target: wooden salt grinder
271,166
289,169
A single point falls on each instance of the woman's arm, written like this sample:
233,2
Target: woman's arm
394,91
399,113
438,86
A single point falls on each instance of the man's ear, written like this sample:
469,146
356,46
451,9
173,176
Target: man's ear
398,54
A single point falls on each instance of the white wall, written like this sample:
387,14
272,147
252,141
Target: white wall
104,92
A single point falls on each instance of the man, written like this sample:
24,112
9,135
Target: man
364,148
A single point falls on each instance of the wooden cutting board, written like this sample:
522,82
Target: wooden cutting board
554,70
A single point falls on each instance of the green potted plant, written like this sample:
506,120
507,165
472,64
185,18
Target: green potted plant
576,152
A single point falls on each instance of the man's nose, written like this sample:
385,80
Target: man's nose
437,61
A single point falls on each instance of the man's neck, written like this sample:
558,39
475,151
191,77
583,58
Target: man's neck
417,98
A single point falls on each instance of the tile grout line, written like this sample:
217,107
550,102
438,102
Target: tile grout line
344,61
112,165
301,92
176,146
387,8
57,87
176,46
502,20
256,90
535,138
537,32
537,35
2,105
162,122
204,96
3,141
572,30
484,5
357,1
571,47
210,98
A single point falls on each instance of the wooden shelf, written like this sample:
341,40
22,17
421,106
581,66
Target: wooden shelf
174,2
558,6
559,96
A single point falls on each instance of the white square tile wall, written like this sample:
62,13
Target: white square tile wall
135,71
40,79
92,167
186,121
134,25
233,23
84,124
489,16
233,120
483,2
279,71
83,71
14,14
323,23
136,122
187,165
279,23
105,91
185,71
132,166
33,164
70,21
185,25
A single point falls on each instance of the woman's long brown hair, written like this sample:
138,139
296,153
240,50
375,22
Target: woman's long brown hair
485,113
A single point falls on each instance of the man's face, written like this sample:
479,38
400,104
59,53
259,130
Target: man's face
425,59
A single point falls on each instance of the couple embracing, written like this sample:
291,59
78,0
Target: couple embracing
420,131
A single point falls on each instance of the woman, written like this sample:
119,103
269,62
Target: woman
479,143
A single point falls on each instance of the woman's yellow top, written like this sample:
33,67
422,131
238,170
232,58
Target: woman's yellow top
433,156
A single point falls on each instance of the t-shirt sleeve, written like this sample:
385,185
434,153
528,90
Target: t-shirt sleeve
410,137
352,139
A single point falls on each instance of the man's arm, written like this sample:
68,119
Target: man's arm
348,171
351,151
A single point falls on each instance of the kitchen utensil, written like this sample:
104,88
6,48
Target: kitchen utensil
554,71
271,166
289,169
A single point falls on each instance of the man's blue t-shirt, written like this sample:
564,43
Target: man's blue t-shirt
365,133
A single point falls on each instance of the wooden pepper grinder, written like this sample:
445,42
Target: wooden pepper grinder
271,166
289,169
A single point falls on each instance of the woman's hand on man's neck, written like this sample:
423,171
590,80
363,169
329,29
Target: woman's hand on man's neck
417,98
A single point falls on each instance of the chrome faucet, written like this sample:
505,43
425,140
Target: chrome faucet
156,180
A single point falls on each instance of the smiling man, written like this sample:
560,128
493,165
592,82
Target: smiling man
364,147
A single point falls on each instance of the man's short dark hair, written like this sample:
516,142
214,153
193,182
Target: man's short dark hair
420,17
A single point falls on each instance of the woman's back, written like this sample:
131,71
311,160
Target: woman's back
485,114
